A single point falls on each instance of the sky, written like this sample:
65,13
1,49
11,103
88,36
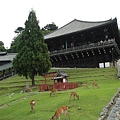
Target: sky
14,13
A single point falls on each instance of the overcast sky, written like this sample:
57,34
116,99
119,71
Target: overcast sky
14,13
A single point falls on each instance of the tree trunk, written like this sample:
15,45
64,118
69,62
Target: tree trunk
33,81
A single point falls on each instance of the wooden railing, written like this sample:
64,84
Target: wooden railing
58,86
66,85
108,43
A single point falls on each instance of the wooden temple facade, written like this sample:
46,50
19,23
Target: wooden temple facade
84,44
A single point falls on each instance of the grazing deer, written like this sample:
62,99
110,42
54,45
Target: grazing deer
32,104
84,85
59,111
74,94
52,91
94,84
30,89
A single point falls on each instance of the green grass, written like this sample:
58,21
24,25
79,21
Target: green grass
91,101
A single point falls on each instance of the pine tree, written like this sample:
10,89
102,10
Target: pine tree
33,58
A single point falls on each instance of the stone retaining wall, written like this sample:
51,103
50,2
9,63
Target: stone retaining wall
112,110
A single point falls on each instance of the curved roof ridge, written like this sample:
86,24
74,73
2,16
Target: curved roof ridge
75,26
59,28
94,21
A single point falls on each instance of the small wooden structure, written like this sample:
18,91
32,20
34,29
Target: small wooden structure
59,81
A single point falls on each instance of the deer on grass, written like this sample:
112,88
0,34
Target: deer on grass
52,91
94,84
84,85
30,89
59,111
32,104
74,94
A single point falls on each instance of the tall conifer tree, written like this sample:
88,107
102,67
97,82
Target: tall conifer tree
33,58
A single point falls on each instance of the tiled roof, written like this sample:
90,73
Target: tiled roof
61,73
8,57
6,66
3,53
74,26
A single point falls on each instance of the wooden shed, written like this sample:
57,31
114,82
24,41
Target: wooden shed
59,81
60,77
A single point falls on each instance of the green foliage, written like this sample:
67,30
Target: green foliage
2,48
19,30
45,32
14,48
33,57
50,27
91,101
1,43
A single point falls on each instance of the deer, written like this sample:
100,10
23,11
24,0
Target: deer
52,91
84,85
59,112
32,104
30,89
74,94
94,84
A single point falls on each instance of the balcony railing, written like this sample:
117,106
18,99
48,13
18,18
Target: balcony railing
100,44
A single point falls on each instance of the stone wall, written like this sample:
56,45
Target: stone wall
112,110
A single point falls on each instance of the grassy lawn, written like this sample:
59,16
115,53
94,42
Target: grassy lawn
15,106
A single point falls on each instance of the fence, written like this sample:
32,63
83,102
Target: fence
58,86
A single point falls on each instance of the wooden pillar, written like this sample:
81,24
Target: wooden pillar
3,74
104,64
66,45
45,79
53,79
113,59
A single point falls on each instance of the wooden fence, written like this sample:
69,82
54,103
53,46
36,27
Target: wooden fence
58,86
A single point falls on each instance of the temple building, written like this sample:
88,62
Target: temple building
6,67
84,44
